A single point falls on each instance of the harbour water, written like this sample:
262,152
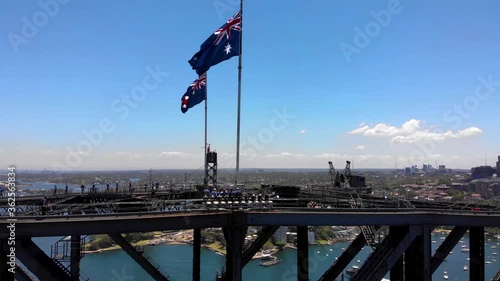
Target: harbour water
176,260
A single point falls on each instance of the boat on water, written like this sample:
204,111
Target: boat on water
353,270
268,262
267,257
445,276
465,250
466,268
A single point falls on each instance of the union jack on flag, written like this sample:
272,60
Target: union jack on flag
222,45
200,82
233,23
195,93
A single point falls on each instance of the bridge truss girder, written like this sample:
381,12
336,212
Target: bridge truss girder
448,244
139,258
37,261
387,255
345,258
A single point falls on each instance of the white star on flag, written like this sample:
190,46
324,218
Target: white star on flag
227,49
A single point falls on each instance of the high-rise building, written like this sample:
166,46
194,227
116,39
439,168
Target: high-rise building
408,172
482,172
498,167
280,235
311,237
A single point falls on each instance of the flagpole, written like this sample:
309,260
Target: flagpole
205,181
239,96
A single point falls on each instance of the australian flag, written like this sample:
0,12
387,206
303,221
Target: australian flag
222,45
196,93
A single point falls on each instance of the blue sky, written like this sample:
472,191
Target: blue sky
380,83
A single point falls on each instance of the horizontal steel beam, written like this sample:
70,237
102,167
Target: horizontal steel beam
101,224
373,217
176,220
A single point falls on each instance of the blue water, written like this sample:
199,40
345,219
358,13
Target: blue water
176,260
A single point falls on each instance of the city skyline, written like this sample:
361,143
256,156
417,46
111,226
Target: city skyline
384,84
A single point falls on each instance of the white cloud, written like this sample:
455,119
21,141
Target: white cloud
428,135
360,130
172,153
384,130
364,160
411,132
133,155
329,155
284,154
360,147
47,152
302,131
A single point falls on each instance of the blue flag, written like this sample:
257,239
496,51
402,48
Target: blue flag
222,45
196,93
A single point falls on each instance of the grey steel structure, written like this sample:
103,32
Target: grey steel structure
404,252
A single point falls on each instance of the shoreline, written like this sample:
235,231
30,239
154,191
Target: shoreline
139,243
185,237
216,247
